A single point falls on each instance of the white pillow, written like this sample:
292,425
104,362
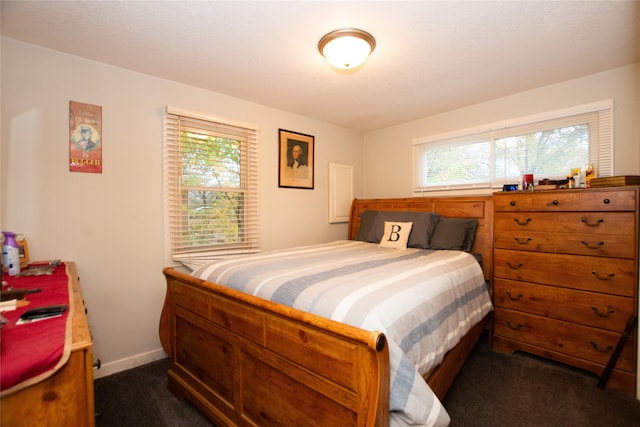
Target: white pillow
396,235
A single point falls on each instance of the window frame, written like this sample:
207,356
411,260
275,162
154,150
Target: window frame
177,251
600,145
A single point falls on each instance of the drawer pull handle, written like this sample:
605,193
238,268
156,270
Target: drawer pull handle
526,221
590,246
512,203
515,267
601,350
555,202
601,314
592,224
600,277
606,201
511,297
515,328
522,241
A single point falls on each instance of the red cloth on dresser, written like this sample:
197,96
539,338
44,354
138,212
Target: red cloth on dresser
33,351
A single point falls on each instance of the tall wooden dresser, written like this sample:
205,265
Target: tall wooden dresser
566,277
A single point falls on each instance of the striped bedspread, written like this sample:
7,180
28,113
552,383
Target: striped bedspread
424,302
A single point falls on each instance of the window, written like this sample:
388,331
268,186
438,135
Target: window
547,146
211,187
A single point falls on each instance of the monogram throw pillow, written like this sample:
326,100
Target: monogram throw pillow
396,235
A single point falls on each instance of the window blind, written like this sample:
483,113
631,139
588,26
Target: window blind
547,145
210,187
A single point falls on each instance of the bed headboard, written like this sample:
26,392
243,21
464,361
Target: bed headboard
479,207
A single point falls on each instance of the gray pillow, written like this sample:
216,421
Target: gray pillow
455,234
372,226
367,219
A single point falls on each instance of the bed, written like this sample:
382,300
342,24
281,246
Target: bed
247,360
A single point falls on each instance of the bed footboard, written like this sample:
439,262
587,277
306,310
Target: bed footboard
245,361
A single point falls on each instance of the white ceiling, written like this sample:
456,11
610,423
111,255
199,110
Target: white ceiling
431,56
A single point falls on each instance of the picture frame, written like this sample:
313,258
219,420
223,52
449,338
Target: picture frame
296,163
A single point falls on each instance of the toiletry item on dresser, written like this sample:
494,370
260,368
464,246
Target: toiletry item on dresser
10,254
590,173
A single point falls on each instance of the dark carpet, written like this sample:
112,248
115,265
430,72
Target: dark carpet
497,389
140,397
493,389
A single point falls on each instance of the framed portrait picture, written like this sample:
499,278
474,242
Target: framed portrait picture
296,161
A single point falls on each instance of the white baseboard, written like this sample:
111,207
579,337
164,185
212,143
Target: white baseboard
129,363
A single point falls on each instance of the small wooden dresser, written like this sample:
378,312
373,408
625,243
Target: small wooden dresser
566,276
64,399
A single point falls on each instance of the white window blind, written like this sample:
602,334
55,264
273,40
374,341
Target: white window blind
454,162
548,146
210,186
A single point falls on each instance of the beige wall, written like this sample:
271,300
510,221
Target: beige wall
388,151
111,223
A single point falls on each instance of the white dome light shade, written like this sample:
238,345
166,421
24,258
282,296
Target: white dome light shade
347,49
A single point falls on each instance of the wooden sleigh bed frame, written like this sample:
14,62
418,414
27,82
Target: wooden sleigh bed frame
246,361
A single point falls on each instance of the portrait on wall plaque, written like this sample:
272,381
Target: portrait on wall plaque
85,137
296,160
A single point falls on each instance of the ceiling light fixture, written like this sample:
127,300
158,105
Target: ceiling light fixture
347,48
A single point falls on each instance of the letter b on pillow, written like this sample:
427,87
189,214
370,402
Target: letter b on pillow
396,235
395,232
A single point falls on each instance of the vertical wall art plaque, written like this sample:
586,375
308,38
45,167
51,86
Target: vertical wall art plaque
85,137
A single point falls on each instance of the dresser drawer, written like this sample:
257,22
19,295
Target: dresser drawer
513,202
525,221
609,200
592,344
604,245
614,246
557,201
567,222
597,223
604,311
598,274
524,241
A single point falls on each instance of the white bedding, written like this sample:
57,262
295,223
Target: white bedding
424,301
